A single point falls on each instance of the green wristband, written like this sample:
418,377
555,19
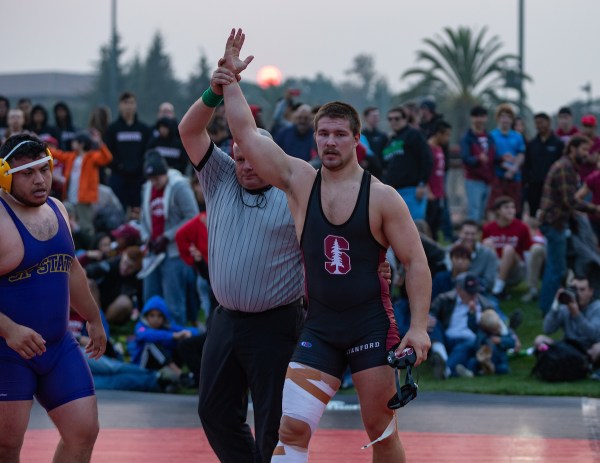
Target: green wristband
211,99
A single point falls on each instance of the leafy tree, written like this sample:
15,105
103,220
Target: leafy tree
100,93
158,82
462,68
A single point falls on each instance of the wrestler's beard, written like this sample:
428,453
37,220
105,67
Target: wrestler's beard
26,202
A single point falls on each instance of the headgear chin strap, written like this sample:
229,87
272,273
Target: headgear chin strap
6,171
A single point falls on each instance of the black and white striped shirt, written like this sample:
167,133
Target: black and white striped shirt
254,259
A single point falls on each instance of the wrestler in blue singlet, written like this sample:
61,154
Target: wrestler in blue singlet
36,295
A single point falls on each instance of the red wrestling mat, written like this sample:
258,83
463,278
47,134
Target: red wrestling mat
328,446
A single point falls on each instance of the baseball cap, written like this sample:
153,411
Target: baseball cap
155,164
127,232
468,282
429,104
589,120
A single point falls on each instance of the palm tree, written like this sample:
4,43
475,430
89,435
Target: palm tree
463,68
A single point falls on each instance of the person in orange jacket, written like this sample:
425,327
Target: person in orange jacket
82,173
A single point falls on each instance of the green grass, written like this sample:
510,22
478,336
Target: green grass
519,381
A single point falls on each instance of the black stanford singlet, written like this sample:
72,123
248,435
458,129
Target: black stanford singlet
341,261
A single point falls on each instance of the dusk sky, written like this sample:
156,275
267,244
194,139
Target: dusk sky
309,36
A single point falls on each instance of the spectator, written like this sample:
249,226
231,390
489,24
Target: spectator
16,123
588,128
24,104
444,281
484,262
557,206
509,238
117,283
510,155
167,203
168,144
64,125
576,311
127,138
591,186
156,338
297,139
541,152
478,151
435,186
451,337
428,117
408,163
534,260
108,211
39,123
100,118
489,354
565,129
376,138
82,175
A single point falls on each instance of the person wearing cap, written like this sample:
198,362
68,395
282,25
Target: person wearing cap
126,235
510,155
451,336
541,152
565,129
82,174
428,117
588,128
478,151
168,202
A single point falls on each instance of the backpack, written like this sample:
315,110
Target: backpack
562,361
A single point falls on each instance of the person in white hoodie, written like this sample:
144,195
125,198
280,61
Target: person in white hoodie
168,202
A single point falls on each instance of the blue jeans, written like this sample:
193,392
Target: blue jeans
478,193
203,288
113,374
169,280
556,265
416,207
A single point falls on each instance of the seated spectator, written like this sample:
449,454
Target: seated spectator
509,238
112,373
126,235
484,262
108,211
451,336
82,173
120,289
156,339
489,353
460,259
576,311
102,249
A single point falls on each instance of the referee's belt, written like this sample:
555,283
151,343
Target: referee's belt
239,314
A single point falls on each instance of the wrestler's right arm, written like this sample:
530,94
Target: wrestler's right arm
21,339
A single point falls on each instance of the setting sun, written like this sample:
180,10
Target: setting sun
268,76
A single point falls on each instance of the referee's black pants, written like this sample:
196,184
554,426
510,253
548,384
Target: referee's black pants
246,351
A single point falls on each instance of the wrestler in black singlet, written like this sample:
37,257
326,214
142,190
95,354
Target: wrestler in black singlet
350,317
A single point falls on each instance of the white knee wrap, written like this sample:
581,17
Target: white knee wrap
289,454
305,395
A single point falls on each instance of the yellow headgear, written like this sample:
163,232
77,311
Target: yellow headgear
6,171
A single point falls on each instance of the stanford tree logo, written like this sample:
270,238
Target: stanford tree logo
339,262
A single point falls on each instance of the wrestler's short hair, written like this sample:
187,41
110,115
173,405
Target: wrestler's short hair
339,110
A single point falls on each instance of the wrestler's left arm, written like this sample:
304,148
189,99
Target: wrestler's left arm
402,235
83,302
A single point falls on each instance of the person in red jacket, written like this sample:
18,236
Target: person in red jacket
510,238
82,174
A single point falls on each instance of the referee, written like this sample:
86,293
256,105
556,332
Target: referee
256,274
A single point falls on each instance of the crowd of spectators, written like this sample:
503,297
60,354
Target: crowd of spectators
139,223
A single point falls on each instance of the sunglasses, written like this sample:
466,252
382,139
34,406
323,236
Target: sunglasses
405,393
395,118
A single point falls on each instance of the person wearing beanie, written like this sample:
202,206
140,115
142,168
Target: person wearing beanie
168,202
